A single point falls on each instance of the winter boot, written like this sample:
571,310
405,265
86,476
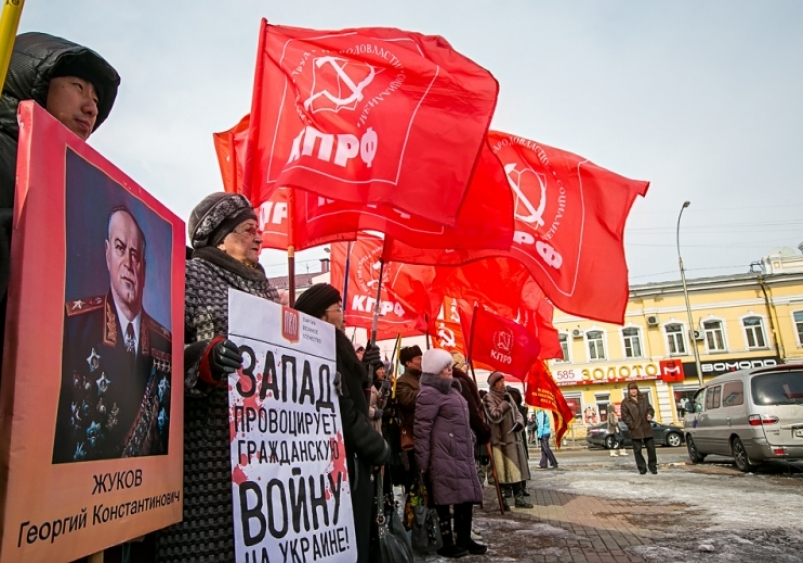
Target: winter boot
518,495
449,549
462,530
623,452
613,453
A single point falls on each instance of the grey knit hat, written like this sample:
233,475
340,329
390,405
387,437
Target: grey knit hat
216,216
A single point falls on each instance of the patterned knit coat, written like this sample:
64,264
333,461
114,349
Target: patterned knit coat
206,535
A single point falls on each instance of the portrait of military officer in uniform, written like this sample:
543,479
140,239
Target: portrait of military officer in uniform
115,390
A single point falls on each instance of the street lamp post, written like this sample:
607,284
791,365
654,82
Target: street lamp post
686,296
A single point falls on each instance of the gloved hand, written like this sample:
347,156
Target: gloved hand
517,427
224,359
386,387
378,413
371,357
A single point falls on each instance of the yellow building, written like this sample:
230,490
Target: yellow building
739,321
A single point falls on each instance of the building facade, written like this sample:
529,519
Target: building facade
739,321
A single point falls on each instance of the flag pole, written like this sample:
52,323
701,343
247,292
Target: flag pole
349,246
375,322
291,249
471,342
9,22
426,334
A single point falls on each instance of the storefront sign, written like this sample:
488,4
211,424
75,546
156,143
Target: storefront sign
607,374
727,365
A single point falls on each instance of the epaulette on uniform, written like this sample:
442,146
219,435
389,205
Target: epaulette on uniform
156,327
80,306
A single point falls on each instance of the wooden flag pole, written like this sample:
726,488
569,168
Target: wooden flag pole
291,249
9,22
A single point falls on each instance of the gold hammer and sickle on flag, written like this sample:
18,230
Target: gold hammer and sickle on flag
356,89
535,215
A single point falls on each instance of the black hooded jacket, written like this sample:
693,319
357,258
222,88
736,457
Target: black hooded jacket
35,59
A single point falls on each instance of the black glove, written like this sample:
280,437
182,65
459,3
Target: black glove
377,413
517,427
371,357
386,387
225,359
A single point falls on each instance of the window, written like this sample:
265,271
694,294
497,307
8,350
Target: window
632,337
798,317
712,397
785,388
754,332
714,337
698,400
564,346
596,345
675,339
732,394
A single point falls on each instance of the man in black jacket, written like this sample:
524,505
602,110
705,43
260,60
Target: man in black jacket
75,84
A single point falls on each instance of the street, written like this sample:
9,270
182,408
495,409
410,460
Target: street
597,508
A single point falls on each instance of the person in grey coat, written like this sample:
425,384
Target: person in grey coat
444,450
637,413
507,441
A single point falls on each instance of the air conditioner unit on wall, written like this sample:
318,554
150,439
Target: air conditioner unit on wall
696,335
577,333
652,320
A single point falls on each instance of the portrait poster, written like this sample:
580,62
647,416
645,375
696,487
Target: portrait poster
92,432
291,493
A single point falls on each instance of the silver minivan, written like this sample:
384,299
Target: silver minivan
751,415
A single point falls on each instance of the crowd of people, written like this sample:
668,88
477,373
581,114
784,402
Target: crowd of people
436,428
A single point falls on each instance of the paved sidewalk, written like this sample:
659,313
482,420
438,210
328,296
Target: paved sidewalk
564,527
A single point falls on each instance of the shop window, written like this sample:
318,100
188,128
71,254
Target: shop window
675,339
564,346
713,396
714,336
798,318
574,402
632,338
596,345
733,394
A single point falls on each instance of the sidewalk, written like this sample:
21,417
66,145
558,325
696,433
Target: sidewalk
563,527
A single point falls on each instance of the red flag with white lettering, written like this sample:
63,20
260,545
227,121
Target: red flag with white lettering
485,219
499,342
569,218
405,301
542,392
370,116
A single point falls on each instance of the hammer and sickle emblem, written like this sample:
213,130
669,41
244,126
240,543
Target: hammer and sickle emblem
356,89
447,337
535,215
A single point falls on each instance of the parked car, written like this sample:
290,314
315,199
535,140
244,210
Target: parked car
752,415
665,435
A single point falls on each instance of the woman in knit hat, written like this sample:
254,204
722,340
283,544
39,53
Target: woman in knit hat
507,447
226,240
444,450
365,447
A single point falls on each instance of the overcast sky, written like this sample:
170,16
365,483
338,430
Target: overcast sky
703,99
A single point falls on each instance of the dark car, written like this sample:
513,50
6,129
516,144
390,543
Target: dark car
664,435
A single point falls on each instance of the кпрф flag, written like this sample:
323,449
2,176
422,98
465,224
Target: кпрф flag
375,116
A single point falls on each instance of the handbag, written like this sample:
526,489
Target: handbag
394,547
425,524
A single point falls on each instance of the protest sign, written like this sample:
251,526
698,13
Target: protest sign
290,486
91,436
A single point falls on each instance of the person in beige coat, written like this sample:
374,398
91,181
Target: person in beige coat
377,402
507,444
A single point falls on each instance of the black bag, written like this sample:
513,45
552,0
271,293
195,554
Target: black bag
426,526
394,547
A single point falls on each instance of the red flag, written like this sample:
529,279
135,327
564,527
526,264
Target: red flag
485,219
570,218
539,322
500,342
542,392
405,302
369,116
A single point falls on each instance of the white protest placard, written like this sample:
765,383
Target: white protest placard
290,490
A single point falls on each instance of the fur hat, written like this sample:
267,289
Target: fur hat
459,361
632,385
317,299
434,360
494,377
216,216
408,353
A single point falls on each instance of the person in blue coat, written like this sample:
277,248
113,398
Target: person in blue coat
544,433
